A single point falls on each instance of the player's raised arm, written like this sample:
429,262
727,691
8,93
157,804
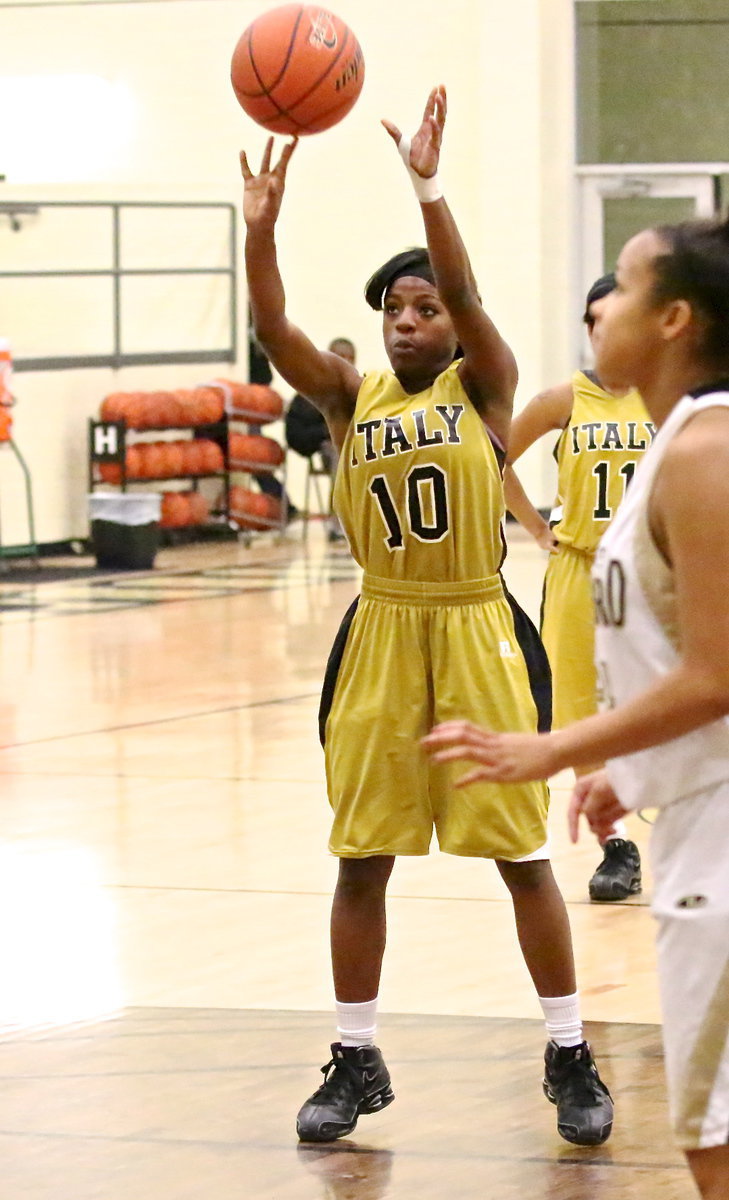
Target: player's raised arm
488,370
326,379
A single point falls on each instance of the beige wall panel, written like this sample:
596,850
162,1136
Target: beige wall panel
348,205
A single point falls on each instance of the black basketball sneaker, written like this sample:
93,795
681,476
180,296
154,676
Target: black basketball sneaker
619,874
356,1081
584,1105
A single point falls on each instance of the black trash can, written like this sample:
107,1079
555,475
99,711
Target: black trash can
125,529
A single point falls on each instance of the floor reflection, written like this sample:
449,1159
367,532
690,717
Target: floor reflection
58,937
348,1171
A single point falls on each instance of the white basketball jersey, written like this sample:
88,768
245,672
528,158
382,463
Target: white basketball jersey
636,637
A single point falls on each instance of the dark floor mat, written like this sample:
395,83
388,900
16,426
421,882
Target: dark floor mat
10,573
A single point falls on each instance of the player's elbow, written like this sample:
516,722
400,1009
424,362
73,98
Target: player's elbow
272,335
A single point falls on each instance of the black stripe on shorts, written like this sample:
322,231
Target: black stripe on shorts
332,668
537,663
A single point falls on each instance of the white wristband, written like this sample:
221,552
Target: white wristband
426,189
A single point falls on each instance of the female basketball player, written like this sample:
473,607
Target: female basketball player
601,439
419,495
661,582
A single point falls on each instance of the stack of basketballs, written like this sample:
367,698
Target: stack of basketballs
254,404
165,410
198,455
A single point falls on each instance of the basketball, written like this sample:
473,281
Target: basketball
254,510
297,69
251,450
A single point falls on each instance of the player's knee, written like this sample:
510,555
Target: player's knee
526,876
363,878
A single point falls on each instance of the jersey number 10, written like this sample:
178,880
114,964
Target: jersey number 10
420,481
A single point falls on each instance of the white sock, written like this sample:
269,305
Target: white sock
620,830
562,1018
357,1023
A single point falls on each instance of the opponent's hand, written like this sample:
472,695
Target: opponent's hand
594,797
502,757
425,144
263,193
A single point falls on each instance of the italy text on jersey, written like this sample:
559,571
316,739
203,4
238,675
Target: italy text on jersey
386,437
601,436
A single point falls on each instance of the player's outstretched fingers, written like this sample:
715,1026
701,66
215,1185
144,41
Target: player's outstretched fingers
459,739
393,131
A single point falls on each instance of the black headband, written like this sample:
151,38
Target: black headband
408,262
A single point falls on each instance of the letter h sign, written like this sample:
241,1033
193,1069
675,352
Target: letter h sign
107,441
107,444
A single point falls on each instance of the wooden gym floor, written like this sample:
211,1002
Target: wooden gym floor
165,885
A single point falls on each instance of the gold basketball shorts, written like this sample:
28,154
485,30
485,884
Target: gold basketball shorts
568,633
415,655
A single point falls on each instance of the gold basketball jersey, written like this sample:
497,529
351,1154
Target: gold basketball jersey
597,454
418,490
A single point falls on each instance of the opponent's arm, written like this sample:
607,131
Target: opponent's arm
488,371
327,380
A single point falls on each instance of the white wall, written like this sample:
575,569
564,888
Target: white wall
506,169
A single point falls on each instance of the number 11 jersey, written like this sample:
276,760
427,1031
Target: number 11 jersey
597,453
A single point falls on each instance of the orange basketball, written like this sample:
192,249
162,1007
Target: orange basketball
211,455
110,472
112,406
143,410
174,458
256,402
187,409
254,510
169,411
199,508
266,401
211,404
133,462
134,410
160,412
193,453
250,450
152,455
297,69
175,510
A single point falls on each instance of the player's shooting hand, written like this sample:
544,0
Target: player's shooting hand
593,797
425,144
263,192
501,757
